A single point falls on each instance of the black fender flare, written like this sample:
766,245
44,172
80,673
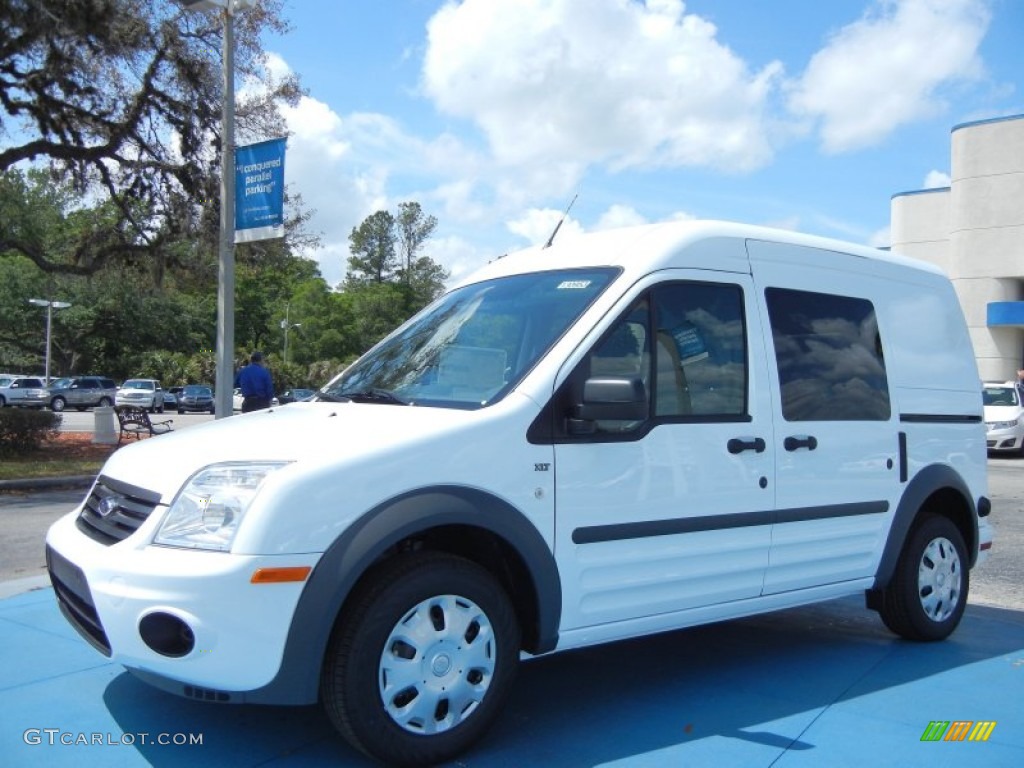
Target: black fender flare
359,546
924,484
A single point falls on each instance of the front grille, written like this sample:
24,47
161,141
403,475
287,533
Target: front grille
75,600
115,510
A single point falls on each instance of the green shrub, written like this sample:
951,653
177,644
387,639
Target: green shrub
23,430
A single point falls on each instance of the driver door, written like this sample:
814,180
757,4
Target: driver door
671,511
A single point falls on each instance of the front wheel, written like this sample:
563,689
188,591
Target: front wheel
57,404
928,593
105,402
422,662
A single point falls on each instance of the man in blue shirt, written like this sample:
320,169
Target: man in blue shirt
255,383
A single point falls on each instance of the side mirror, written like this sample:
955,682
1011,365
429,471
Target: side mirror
618,398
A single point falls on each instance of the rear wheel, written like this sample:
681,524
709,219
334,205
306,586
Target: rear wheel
422,661
928,593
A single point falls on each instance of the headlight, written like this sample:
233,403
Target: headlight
1003,424
207,511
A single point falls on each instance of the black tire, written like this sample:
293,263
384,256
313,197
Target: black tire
928,593
58,404
477,666
181,411
105,402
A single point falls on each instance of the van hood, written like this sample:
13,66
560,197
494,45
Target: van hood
296,432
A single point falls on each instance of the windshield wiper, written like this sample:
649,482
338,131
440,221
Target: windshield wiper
328,397
373,395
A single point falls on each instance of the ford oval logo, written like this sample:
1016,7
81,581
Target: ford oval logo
108,505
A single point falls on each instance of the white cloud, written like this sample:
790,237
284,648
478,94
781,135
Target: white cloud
561,84
886,69
537,224
881,238
619,215
936,180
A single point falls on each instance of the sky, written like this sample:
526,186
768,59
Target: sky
494,114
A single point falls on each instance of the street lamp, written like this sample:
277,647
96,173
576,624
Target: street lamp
225,376
287,326
50,306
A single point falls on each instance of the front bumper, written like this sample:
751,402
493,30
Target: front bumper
194,407
238,628
1004,439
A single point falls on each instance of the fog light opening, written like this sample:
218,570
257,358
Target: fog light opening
167,635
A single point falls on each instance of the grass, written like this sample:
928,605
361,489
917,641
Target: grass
69,454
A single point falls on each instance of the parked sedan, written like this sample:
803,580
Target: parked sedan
1004,416
195,398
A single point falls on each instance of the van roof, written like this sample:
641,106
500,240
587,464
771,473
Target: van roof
650,247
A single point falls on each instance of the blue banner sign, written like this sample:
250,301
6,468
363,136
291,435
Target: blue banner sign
259,191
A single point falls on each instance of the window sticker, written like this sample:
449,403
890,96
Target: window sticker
573,285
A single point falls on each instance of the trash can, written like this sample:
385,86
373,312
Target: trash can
104,426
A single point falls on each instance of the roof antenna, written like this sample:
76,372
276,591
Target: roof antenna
558,226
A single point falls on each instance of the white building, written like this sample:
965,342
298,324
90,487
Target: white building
974,230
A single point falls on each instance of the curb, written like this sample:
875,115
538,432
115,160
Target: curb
47,483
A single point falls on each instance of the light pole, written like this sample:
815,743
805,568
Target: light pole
50,306
287,326
225,375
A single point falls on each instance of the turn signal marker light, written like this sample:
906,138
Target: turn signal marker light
280,575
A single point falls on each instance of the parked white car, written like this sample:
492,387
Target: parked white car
629,432
1004,416
144,393
237,400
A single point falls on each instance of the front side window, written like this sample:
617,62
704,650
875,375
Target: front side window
474,344
829,355
686,343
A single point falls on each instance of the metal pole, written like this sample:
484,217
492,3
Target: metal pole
286,324
49,326
226,269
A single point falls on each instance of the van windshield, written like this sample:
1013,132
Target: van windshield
473,345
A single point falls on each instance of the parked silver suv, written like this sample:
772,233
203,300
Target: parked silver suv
144,393
22,390
81,392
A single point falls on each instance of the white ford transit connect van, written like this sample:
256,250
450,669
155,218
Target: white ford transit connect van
626,433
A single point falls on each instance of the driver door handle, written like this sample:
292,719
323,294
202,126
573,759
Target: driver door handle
741,444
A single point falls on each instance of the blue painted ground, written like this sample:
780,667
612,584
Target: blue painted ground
819,686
